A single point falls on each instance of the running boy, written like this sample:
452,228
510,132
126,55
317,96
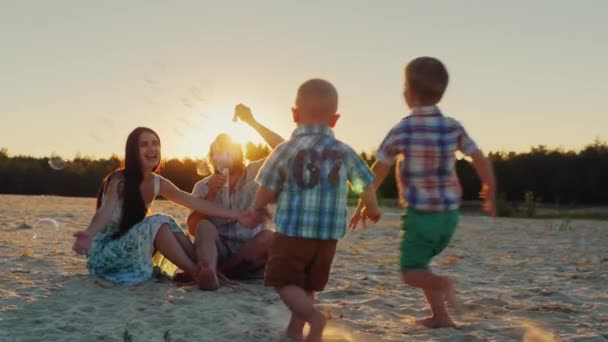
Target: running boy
424,144
309,174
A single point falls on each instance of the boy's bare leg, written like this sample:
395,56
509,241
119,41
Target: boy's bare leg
296,324
206,255
437,290
302,307
440,317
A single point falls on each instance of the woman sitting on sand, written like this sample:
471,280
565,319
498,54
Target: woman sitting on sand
122,237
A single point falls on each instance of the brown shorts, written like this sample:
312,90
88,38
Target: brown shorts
298,261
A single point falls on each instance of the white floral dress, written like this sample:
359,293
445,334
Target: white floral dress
128,259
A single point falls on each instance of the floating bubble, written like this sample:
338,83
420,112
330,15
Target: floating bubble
178,131
57,163
186,102
184,121
95,137
46,229
203,169
196,93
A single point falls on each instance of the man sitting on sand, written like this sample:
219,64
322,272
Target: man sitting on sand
224,245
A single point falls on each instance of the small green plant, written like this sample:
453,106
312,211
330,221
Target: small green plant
167,336
126,337
530,204
503,207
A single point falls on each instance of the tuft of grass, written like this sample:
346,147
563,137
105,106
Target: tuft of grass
167,336
126,337
530,204
503,207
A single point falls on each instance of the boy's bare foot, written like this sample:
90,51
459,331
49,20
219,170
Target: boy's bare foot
294,335
436,323
295,328
205,278
449,294
317,325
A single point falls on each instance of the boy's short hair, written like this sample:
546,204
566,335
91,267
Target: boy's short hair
319,95
428,78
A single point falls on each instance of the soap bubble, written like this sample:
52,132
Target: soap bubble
57,163
46,229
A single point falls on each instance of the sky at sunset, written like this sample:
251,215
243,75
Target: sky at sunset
77,77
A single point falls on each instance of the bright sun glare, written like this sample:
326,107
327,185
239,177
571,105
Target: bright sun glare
217,119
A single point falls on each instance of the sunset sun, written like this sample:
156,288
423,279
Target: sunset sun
195,140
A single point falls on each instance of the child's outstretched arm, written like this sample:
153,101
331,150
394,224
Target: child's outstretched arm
263,198
484,169
380,171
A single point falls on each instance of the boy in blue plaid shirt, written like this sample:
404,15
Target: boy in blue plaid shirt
309,174
424,144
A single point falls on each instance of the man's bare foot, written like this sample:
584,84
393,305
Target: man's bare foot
205,278
436,323
317,325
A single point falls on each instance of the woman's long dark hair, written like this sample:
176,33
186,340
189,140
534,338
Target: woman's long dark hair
133,208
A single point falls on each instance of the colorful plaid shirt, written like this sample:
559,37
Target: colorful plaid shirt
310,172
425,143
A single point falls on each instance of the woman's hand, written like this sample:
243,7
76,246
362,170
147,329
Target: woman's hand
83,243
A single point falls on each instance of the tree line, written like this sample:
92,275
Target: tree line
554,176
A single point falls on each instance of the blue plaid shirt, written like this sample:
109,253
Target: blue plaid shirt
425,143
310,172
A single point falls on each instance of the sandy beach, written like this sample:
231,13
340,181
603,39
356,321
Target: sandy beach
532,280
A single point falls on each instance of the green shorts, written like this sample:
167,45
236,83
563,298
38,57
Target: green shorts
425,234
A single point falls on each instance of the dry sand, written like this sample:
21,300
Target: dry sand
533,280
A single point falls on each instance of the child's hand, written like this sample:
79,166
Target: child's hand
254,218
83,243
371,214
364,214
243,113
354,220
489,200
